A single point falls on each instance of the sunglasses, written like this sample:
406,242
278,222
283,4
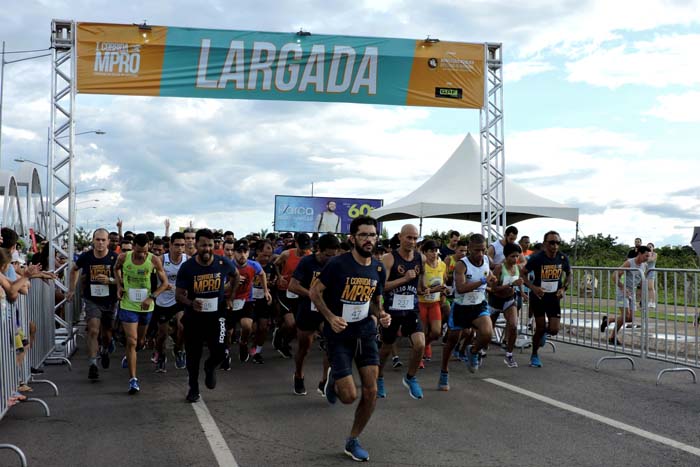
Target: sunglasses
554,242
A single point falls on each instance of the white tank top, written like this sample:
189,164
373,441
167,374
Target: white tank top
498,256
167,298
474,273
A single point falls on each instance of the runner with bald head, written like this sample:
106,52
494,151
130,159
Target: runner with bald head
404,284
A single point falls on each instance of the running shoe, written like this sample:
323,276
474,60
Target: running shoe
510,361
209,377
444,382
104,359
160,366
125,362
226,364
285,351
428,353
243,354
322,388
355,451
396,362
276,339
414,389
192,396
535,362
112,346
473,362
134,387
463,357
603,324
421,365
155,357
258,358
299,388
455,354
180,360
93,373
381,392
329,388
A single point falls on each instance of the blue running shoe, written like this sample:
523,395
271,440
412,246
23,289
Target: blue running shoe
414,389
111,347
455,354
134,386
473,362
444,383
125,362
180,360
354,450
535,362
381,392
329,389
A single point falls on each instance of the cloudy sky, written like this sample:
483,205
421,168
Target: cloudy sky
601,104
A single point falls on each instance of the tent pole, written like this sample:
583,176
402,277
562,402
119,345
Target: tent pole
576,245
420,227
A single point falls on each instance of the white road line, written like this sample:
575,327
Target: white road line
599,418
218,445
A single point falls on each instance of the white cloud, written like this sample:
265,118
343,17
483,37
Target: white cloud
515,71
103,172
681,108
19,134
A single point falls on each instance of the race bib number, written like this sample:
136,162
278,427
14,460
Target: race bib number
432,297
402,302
100,290
509,280
137,295
210,305
292,295
238,304
355,312
258,293
550,286
473,298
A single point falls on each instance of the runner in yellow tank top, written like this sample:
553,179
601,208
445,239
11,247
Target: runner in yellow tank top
434,279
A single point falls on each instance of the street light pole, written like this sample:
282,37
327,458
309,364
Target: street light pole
2,91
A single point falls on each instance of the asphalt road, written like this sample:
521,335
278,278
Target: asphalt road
478,422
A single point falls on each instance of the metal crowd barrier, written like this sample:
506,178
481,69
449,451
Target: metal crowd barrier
66,331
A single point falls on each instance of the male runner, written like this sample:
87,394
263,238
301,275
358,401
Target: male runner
264,308
114,242
167,309
308,319
134,270
404,284
451,247
546,290
495,250
100,294
286,263
201,289
190,247
471,275
348,293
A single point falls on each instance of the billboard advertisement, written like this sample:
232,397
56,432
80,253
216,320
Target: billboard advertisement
227,64
320,214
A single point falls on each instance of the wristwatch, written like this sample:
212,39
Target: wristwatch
153,296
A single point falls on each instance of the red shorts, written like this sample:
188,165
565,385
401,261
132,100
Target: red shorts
429,311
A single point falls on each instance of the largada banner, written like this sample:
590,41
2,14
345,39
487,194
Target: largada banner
220,64
318,214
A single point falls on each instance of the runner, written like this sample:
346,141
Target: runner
114,242
347,291
190,247
429,301
167,309
99,293
263,308
308,319
495,250
546,290
243,301
201,289
470,310
503,298
286,263
451,247
404,284
134,270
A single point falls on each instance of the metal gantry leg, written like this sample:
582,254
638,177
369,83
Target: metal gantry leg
493,191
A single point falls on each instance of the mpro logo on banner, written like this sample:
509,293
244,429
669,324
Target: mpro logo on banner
221,64
320,214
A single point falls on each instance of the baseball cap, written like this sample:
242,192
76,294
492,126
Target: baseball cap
241,245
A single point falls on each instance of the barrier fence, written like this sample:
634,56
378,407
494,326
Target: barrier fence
27,340
656,316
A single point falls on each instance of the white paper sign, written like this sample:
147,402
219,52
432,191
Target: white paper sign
238,304
291,294
258,293
209,304
355,312
137,295
100,290
402,302
550,286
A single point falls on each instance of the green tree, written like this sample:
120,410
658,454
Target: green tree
82,238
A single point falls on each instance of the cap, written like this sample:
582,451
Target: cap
241,245
16,258
429,245
303,240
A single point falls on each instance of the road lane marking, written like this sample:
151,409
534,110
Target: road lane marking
224,456
599,418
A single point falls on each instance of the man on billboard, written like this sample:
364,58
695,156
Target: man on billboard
328,220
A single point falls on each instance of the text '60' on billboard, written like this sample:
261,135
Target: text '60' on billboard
319,214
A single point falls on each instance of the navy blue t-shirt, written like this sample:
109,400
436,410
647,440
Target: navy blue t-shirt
92,267
205,282
548,271
306,273
349,289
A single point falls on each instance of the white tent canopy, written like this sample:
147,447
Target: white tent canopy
454,192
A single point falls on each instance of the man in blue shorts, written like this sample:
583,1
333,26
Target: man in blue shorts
348,295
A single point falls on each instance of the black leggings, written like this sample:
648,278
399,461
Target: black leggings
198,330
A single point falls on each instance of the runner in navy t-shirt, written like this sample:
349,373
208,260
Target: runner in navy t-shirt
348,295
